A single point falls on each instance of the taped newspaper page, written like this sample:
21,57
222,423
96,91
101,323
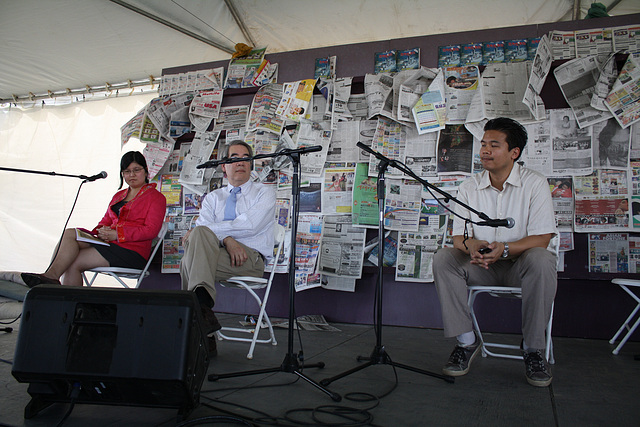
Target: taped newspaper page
572,146
365,211
402,205
461,84
342,247
577,80
337,191
537,76
624,99
201,149
602,201
416,250
262,115
609,253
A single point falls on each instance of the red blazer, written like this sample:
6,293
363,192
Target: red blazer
140,219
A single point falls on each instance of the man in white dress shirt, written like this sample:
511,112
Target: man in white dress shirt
518,256
231,237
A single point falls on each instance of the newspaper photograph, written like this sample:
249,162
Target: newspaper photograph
243,70
565,241
455,150
402,205
594,41
357,106
294,103
626,38
562,197
262,114
337,191
156,154
461,85
563,44
205,107
420,153
538,76
172,249
602,201
307,248
503,89
577,80
411,89
365,210
337,103
201,149
310,134
624,100
377,88
232,118
572,146
415,250
388,140
609,253
341,248
537,154
343,142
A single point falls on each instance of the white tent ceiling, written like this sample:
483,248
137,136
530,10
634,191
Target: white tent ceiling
53,45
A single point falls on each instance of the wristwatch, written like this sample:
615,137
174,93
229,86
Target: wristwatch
505,253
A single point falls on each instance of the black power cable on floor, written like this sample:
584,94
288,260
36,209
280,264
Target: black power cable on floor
318,416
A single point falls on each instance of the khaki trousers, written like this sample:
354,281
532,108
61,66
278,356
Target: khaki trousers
206,261
534,270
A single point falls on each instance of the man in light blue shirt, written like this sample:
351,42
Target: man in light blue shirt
233,234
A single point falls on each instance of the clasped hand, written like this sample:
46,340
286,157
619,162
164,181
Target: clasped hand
486,259
107,234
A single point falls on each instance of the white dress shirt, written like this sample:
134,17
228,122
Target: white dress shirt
525,197
255,210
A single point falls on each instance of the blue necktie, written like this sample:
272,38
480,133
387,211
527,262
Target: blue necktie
230,206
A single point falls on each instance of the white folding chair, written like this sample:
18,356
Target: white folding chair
120,273
251,284
509,292
624,284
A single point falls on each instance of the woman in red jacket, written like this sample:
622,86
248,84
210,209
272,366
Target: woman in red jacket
132,221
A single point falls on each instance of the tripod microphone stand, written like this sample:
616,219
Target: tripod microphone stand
290,363
379,355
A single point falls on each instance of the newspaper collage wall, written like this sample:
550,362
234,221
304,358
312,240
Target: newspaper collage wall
430,119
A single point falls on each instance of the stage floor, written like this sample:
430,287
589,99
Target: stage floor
591,386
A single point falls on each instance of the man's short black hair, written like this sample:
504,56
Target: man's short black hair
515,132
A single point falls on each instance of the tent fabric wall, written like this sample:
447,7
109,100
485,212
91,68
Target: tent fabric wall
54,45
76,139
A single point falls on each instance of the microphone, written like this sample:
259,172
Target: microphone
100,175
212,163
377,155
507,222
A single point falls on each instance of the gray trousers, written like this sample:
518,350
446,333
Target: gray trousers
534,270
205,261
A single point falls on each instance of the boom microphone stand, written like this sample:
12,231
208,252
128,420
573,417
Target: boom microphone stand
100,175
379,355
290,363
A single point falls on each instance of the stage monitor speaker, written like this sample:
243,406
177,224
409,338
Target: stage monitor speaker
109,346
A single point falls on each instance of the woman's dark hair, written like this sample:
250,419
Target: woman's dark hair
515,132
130,157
